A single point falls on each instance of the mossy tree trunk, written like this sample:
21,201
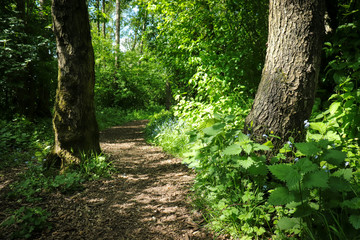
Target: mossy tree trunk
286,93
74,122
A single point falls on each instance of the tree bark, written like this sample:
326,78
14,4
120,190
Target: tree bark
286,93
104,23
74,122
97,5
117,31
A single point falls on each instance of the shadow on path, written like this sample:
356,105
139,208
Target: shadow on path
147,197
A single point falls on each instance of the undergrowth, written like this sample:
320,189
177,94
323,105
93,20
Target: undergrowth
26,144
308,190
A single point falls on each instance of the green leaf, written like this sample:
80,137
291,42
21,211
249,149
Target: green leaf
259,169
355,221
345,173
334,107
307,148
214,129
248,162
334,157
303,210
316,179
288,223
304,165
281,196
258,147
319,126
286,173
352,204
339,184
232,150
269,144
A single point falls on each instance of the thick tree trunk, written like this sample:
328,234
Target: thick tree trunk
286,93
75,126
117,31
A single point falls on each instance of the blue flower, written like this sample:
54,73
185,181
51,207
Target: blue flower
236,136
290,143
248,134
296,159
316,156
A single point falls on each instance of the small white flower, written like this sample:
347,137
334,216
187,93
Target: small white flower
265,136
316,156
296,159
347,164
306,124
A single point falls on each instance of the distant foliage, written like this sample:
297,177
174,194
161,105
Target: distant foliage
27,60
137,81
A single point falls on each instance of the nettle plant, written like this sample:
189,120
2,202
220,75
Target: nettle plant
319,189
231,178
305,187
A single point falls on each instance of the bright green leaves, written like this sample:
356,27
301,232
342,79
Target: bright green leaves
307,148
232,150
214,129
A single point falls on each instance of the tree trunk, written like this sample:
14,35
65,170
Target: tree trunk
104,23
286,93
97,5
143,32
74,122
117,32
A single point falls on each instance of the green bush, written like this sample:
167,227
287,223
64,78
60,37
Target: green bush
303,188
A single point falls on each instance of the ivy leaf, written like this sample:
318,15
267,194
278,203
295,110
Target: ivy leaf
281,196
355,221
316,179
214,129
232,150
334,157
307,148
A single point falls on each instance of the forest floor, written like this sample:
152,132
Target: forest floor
148,197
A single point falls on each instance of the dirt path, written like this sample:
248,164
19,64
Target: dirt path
146,199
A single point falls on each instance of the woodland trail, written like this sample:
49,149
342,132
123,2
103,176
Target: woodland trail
147,197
